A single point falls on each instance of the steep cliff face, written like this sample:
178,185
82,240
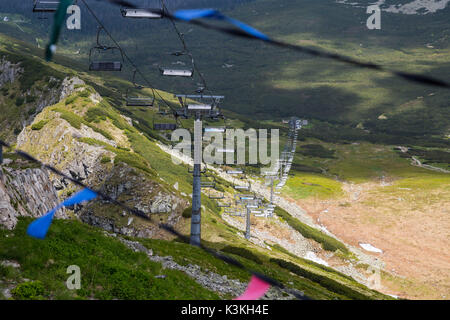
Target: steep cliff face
23,97
84,137
25,192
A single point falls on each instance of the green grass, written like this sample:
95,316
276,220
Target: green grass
253,259
109,270
304,185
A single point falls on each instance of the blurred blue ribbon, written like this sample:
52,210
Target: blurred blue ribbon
38,228
188,15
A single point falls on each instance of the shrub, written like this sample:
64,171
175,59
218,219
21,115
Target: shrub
133,160
324,281
70,100
31,111
74,120
28,291
20,101
102,132
38,126
327,242
31,99
317,150
84,94
105,159
242,252
187,213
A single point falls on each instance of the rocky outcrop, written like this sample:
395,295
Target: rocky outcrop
135,189
9,71
26,192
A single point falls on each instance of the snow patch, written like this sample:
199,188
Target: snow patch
369,247
417,7
312,256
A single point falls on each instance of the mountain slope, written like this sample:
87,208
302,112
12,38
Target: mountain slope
85,135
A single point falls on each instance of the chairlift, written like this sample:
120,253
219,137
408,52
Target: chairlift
216,197
45,6
141,13
164,126
208,105
232,172
104,65
214,129
138,100
208,184
174,72
240,187
223,205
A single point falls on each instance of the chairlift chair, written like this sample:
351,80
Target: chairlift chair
223,205
141,13
214,129
240,187
233,172
246,197
219,197
207,107
45,6
104,65
138,100
208,184
178,72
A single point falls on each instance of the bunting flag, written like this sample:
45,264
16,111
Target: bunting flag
189,15
60,16
38,228
255,290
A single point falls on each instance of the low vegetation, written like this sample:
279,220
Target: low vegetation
109,270
327,242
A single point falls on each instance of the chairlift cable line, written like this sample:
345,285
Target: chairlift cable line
166,227
186,49
91,11
245,31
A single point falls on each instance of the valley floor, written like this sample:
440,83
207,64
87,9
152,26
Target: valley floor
404,213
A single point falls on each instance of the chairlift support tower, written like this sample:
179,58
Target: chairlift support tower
197,111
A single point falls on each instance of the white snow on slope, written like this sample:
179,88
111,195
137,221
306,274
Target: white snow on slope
414,7
312,256
369,247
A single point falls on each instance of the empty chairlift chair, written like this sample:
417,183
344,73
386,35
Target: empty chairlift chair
135,98
245,188
104,64
141,13
223,205
164,126
207,184
220,196
208,106
45,6
177,72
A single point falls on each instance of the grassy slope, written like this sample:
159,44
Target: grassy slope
77,110
109,269
112,271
